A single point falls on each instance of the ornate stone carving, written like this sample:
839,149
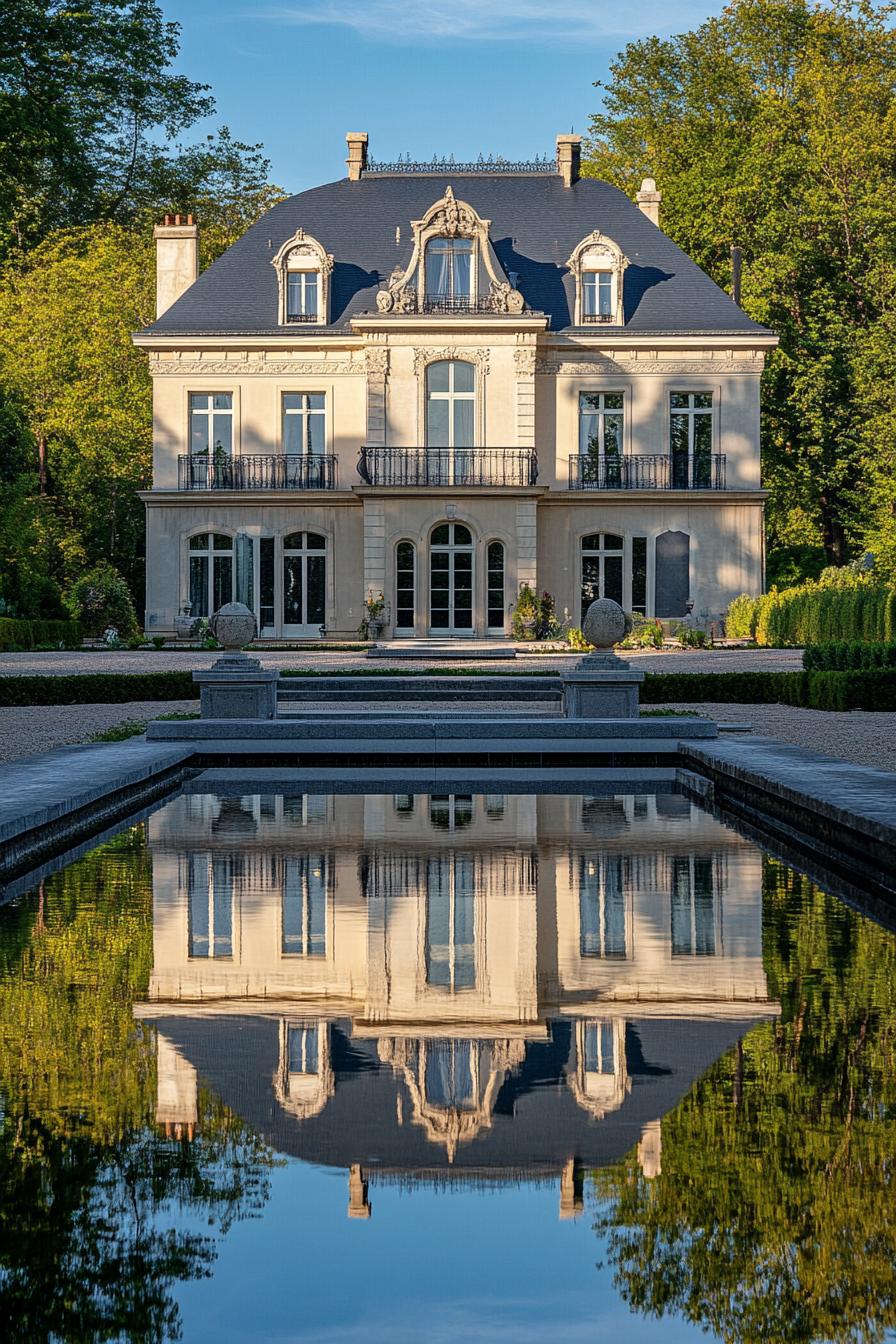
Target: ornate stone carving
502,298
428,356
596,252
377,361
683,367
300,367
526,359
452,218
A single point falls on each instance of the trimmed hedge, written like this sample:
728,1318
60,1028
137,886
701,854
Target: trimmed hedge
20,634
874,689
848,656
816,613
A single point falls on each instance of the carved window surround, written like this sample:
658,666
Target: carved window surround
598,253
450,218
301,252
479,358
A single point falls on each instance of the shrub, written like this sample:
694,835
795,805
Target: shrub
850,656
691,637
870,690
97,688
526,614
740,620
576,640
99,599
644,635
20,634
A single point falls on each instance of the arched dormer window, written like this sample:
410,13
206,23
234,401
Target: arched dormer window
303,278
597,266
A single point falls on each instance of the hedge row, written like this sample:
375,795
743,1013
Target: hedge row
816,613
16,634
848,656
873,689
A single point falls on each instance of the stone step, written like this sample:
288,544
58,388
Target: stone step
387,733
442,650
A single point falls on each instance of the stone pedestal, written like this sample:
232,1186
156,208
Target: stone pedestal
237,687
602,686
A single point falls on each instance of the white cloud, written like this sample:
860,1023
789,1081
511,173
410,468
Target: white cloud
565,22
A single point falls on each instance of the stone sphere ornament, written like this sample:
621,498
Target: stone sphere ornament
233,626
605,623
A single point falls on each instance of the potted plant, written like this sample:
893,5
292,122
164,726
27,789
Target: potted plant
373,622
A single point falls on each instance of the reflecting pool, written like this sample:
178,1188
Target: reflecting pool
415,1066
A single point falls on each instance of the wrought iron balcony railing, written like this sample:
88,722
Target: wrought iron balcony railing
448,466
659,471
588,318
274,471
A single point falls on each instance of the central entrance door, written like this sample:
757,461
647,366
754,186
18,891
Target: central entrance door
451,580
304,584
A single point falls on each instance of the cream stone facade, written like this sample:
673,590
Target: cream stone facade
379,359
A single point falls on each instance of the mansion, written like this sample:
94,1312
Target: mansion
441,383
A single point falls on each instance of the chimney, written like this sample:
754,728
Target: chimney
357,154
569,157
649,199
177,259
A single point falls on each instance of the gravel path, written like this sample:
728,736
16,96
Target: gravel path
865,739
652,660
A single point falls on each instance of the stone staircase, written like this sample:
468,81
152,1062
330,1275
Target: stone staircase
398,691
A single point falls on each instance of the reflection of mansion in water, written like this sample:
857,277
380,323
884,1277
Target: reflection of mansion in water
416,985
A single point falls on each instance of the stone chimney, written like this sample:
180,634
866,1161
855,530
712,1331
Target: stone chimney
177,259
357,154
569,158
649,199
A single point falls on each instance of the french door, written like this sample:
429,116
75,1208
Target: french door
304,584
451,580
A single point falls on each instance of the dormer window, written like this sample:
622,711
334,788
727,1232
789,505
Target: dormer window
597,296
597,266
303,279
448,275
302,288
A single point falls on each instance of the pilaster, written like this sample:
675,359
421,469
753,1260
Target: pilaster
526,543
377,361
374,546
525,356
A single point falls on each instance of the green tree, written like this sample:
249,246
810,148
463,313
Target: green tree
773,127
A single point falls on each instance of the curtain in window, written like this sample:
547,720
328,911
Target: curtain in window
438,273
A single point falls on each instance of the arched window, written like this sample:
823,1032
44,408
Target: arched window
672,574
304,583
211,572
448,275
405,585
602,554
451,578
495,589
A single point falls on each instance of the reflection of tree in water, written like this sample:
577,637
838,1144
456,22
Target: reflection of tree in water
88,1186
774,1216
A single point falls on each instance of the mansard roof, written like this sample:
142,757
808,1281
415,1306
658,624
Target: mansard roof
536,223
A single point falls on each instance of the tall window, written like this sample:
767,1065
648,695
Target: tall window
305,906
600,437
211,424
210,894
450,400
602,554
405,575
450,923
304,422
599,1048
495,592
448,1074
211,572
693,907
690,439
597,296
304,581
302,1049
448,274
639,575
601,907
301,296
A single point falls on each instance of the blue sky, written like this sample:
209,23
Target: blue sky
422,77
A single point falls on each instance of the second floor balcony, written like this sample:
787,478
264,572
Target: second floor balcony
448,466
647,471
270,471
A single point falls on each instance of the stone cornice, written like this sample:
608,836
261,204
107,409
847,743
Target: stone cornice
567,368
262,367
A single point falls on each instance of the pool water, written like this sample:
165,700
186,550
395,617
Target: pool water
418,1067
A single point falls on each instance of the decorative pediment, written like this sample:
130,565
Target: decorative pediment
301,252
451,219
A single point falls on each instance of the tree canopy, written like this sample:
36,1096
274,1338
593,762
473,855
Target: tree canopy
773,127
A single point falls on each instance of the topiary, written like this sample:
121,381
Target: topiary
100,599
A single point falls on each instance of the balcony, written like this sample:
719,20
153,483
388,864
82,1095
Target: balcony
660,471
274,471
448,466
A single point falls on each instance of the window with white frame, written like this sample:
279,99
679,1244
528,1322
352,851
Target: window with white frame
304,422
602,567
690,439
304,909
448,275
598,296
302,293
601,907
211,572
450,923
211,424
601,425
693,907
210,908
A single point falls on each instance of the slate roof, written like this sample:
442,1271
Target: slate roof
535,224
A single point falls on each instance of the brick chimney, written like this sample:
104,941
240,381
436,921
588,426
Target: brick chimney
649,199
357,154
177,259
569,158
